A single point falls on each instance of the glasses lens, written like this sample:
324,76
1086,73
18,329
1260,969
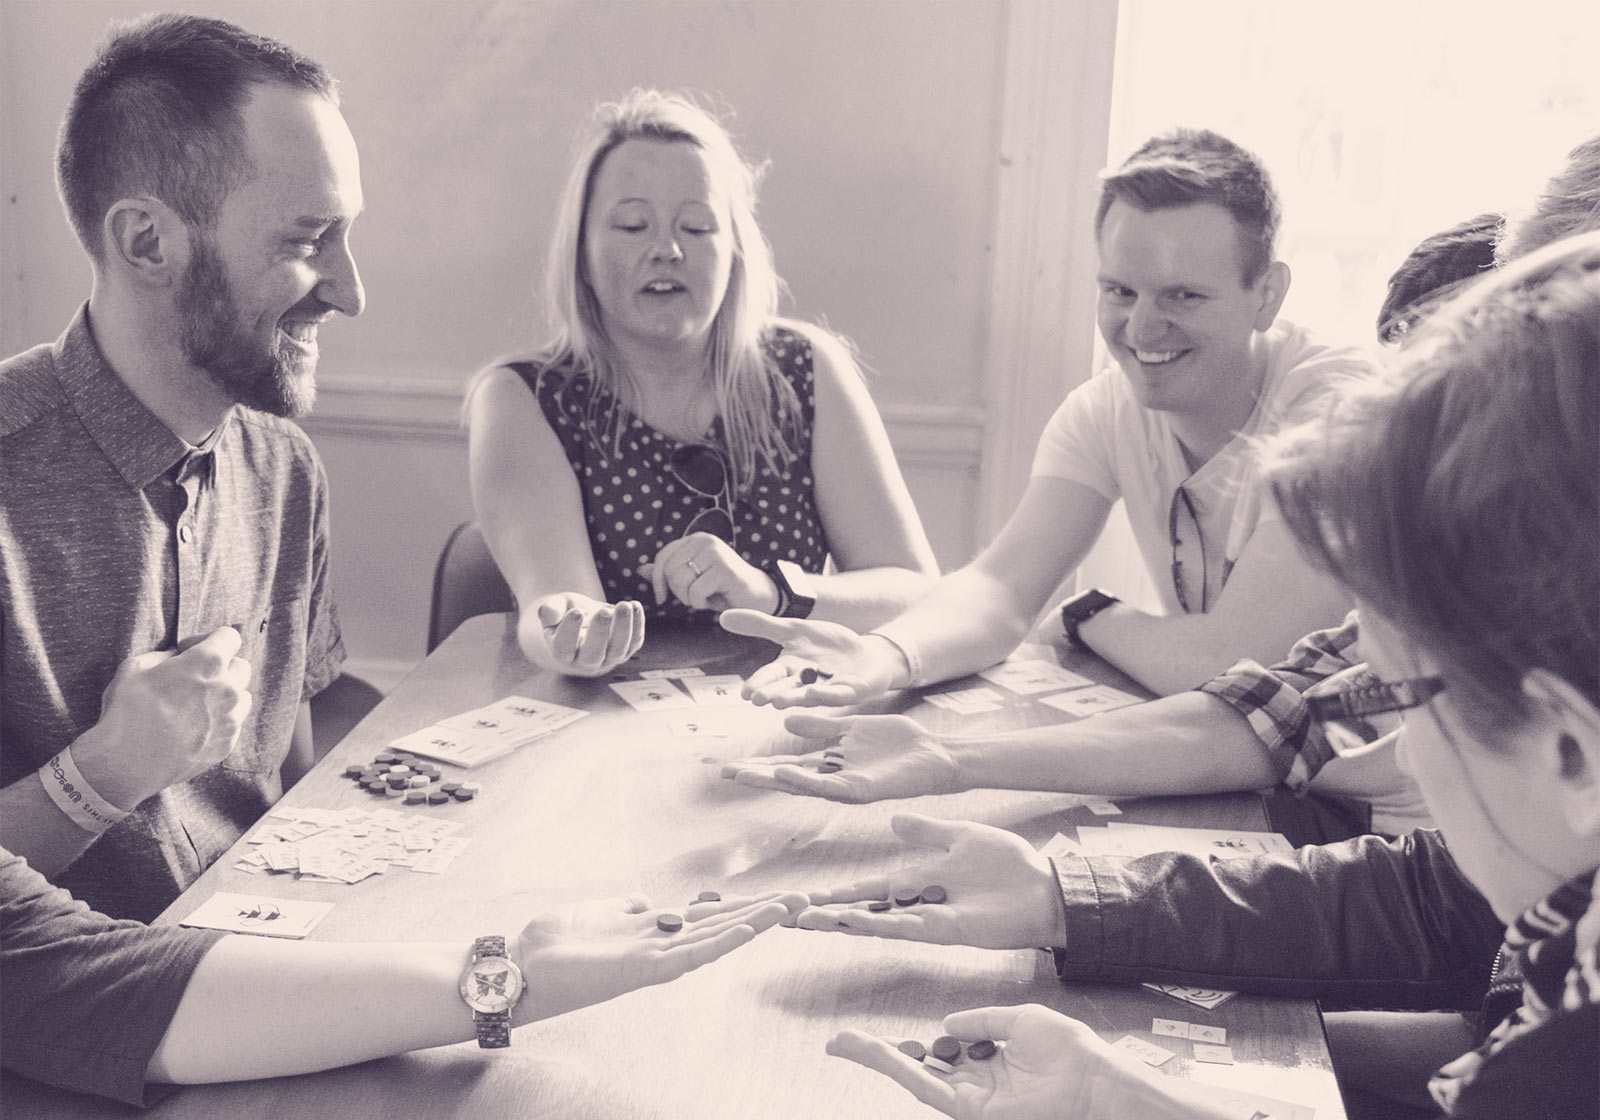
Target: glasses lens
700,468
714,521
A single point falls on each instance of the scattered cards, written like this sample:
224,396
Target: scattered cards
717,691
258,914
1147,1052
1216,1055
1031,677
653,695
475,737
1199,1032
347,845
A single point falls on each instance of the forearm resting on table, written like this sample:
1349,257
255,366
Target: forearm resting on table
866,597
967,622
1185,744
312,1006
1171,653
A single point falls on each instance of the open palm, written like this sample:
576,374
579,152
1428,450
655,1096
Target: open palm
873,758
589,952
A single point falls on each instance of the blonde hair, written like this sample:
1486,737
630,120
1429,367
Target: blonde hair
761,415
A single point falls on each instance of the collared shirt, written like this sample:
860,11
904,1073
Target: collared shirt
117,538
1102,437
1305,752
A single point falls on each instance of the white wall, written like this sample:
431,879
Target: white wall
883,123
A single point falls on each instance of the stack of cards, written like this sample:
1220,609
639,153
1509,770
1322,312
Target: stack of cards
475,737
347,845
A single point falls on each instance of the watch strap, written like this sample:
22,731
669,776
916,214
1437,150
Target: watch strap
1080,609
493,1027
796,598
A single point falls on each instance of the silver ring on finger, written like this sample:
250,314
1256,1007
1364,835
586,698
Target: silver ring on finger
696,569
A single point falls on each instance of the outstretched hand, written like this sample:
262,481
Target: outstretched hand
1000,893
593,951
857,759
580,636
1046,1067
845,667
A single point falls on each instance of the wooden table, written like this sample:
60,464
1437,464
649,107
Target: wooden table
615,804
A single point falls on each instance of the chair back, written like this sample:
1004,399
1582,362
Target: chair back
466,582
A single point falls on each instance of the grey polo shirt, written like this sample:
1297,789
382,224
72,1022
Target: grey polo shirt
116,538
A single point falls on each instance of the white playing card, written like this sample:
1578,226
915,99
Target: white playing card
1147,1052
1090,701
652,696
717,691
254,913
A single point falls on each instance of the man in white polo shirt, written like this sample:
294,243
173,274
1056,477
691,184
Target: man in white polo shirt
1188,306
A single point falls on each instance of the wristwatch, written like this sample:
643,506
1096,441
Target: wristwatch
491,986
1080,609
797,596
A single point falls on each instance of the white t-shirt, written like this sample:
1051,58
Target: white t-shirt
1102,437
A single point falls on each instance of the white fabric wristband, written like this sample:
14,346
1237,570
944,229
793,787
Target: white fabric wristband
75,797
913,670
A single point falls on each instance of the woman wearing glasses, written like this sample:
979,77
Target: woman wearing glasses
676,448
1461,507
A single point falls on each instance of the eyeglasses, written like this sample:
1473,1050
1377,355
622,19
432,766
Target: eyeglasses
1374,699
1181,502
702,469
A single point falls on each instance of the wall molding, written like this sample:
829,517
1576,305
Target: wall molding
375,406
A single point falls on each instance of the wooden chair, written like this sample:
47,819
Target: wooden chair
466,582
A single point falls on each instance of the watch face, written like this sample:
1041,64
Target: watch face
491,984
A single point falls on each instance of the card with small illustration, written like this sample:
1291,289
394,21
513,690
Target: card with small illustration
258,914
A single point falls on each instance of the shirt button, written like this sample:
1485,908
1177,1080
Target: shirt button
185,534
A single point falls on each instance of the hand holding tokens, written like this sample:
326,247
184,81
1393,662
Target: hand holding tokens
589,952
822,663
862,758
983,886
1024,1061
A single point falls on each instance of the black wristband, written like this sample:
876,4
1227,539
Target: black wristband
1080,609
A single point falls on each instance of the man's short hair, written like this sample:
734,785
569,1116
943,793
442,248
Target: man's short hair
1189,166
158,113
1435,270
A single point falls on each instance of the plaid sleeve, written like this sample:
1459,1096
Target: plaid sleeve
1272,701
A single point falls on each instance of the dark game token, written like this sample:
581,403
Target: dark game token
828,768
934,894
669,923
879,905
907,898
946,1049
913,1049
981,1050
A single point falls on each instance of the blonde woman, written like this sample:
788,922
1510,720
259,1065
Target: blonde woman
676,448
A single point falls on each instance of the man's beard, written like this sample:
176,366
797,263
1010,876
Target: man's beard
281,382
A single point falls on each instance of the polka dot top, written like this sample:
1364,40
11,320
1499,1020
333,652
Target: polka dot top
634,504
